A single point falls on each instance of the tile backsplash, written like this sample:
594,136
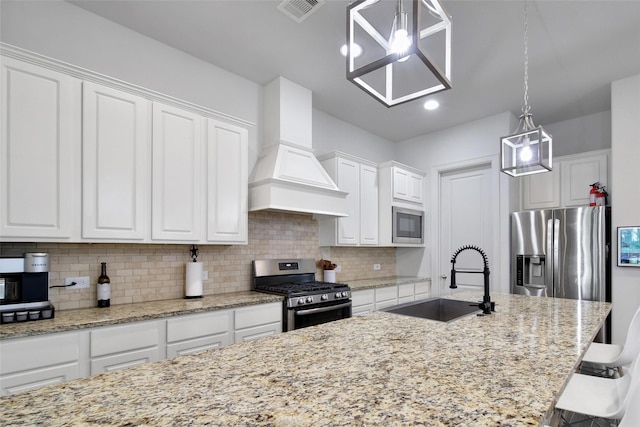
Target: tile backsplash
150,272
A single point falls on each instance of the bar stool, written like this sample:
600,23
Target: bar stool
607,359
598,397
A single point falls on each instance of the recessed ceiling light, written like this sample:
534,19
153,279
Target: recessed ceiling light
431,104
357,50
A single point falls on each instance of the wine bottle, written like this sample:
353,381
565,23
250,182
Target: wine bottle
104,288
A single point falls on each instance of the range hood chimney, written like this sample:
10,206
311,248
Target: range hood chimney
287,176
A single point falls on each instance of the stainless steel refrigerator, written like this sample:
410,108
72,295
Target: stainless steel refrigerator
562,253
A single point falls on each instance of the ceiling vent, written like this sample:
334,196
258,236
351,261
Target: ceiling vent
299,10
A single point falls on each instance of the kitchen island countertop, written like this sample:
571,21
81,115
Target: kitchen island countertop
382,369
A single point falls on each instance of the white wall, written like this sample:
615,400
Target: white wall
586,133
332,134
68,33
625,159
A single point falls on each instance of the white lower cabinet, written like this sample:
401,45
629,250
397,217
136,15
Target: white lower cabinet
362,302
197,332
119,347
406,293
257,321
34,362
422,289
386,297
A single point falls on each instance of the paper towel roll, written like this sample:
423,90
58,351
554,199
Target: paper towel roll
193,280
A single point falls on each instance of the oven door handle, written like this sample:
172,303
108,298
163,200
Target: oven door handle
322,309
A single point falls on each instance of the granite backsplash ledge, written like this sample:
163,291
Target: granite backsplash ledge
154,272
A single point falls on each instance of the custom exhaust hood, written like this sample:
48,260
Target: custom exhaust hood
287,175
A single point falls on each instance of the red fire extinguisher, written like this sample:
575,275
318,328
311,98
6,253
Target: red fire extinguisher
593,194
601,197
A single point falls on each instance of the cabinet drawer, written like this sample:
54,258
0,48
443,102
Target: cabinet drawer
250,334
405,290
198,344
365,297
38,378
423,287
198,325
384,294
255,315
122,361
23,354
118,339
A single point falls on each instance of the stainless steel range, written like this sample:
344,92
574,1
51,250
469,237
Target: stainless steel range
307,301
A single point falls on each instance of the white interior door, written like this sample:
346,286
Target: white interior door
466,212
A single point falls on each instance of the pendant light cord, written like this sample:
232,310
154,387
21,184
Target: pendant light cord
526,109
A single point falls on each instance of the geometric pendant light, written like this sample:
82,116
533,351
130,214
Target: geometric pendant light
529,149
406,49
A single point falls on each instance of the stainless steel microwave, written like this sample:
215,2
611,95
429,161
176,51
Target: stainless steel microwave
408,226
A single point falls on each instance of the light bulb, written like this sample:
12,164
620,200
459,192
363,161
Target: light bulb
525,153
401,41
357,50
431,104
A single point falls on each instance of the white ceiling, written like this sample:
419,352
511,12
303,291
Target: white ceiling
576,49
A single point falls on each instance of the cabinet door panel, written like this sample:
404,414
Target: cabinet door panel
578,175
38,378
40,136
541,191
368,205
227,177
349,181
177,140
114,163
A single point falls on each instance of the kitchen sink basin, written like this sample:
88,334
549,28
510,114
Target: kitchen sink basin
440,309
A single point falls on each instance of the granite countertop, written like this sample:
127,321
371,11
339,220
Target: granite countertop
382,369
68,320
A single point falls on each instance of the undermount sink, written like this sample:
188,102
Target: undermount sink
440,309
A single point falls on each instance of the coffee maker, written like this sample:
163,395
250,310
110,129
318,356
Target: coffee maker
24,288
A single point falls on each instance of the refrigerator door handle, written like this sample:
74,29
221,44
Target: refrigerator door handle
555,264
550,261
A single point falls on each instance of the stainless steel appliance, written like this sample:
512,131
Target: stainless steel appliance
407,226
307,301
562,253
24,294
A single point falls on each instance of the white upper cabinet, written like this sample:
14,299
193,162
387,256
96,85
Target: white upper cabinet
177,171
542,190
115,178
227,183
578,174
368,204
358,178
407,185
39,152
568,184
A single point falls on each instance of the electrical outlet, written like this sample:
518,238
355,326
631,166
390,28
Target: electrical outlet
376,266
205,275
80,282
338,268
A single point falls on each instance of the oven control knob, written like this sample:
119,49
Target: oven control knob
300,301
338,295
344,294
324,297
309,299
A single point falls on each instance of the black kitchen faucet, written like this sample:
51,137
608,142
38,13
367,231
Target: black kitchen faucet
486,305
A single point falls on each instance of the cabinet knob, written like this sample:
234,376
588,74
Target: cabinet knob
444,276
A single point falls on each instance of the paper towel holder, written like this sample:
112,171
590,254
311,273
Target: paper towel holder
193,276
